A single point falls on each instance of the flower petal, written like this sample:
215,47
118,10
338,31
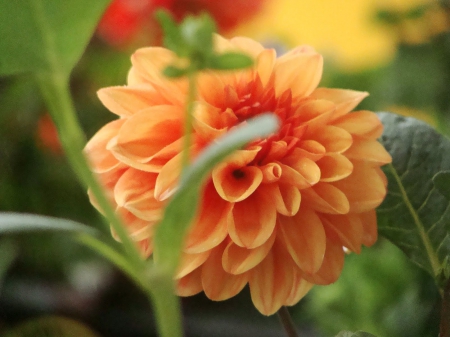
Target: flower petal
370,231
334,166
210,227
217,283
100,158
298,72
190,262
271,280
326,198
348,229
237,260
285,197
368,150
345,100
304,237
364,124
190,284
299,289
334,139
252,221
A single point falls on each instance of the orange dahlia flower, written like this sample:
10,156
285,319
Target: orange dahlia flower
277,214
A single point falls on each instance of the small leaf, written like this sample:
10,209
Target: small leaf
415,216
442,182
230,60
172,36
45,35
182,207
197,32
51,326
19,222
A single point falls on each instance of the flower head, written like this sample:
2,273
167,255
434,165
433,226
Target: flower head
277,214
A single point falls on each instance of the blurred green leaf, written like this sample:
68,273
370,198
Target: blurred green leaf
18,222
415,216
182,207
230,60
442,182
197,32
174,72
51,326
45,35
355,334
172,35
8,252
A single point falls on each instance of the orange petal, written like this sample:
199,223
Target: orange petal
271,280
167,180
309,149
137,228
126,101
190,262
292,177
299,72
304,237
334,166
361,123
345,100
134,191
211,88
347,228
306,167
101,159
247,45
370,229
191,284
210,227
334,139
299,289
237,184
217,283
326,198
237,260
368,150
265,62
286,198
271,173
331,268
252,221
364,188
315,113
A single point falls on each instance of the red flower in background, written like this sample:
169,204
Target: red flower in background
125,19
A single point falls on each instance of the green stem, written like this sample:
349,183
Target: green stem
190,101
287,323
444,329
55,90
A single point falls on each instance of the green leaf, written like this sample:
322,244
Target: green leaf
51,326
45,35
19,222
415,216
230,60
442,183
356,334
174,72
172,35
182,207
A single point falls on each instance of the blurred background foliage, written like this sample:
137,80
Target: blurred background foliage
399,51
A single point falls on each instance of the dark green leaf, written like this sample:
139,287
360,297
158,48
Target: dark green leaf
19,222
415,216
172,36
227,61
51,326
45,35
442,182
182,207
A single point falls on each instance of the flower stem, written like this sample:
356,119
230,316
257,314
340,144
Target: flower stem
287,323
444,329
192,93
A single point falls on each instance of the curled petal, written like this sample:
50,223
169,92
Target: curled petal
345,100
217,283
334,139
271,280
237,260
304,237
101,159
364,188
126,101
252,221
190,284
348,230
334,166
190,262
300,72
364,124
326,198
270,172
210,227
331,268
368,150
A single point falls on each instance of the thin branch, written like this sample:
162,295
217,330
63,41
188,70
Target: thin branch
287,322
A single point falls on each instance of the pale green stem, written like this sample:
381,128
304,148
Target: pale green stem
190,101
55,90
